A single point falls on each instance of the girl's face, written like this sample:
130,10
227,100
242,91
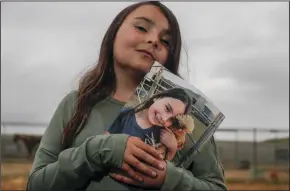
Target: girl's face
142,39
162,111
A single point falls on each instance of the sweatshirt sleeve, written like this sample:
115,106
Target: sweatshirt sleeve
204,173
71,169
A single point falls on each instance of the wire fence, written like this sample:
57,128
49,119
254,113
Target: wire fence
254,153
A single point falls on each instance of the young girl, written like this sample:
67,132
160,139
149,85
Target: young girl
150,121
74,153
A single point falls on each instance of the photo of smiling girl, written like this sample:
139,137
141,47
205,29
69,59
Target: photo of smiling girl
153,120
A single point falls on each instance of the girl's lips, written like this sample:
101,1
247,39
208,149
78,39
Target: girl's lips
146,53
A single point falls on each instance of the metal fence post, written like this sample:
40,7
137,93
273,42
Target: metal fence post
255,154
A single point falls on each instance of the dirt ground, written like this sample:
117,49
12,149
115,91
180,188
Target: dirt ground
14,177
256,186
283,176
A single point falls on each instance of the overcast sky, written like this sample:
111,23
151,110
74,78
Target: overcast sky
237,56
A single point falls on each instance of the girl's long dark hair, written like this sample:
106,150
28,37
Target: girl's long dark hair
176,93
100,82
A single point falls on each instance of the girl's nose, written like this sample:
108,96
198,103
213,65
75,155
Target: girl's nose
153,38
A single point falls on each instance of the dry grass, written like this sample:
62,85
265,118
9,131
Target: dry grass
14,177
257,186
245,175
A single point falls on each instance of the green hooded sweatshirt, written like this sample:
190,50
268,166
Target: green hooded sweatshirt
85,165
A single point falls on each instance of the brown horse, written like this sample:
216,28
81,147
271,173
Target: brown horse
30,142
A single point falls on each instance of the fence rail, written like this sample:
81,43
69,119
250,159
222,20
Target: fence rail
255,156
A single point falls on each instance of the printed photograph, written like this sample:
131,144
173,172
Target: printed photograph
165,112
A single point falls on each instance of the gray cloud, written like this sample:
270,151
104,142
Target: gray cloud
238,56
240,59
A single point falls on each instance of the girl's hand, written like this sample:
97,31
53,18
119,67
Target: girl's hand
168,139
148,181
135,153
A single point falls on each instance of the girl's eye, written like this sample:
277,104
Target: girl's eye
141,28
165,42
167,109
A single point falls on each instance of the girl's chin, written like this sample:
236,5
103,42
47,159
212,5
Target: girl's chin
145,66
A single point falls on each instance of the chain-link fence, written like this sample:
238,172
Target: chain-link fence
248,155
254,154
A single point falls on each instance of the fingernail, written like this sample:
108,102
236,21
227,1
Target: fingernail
161,156
140,179
154,174
160,166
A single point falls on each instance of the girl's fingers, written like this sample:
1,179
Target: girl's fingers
134,162
131,172
124,179
149,149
